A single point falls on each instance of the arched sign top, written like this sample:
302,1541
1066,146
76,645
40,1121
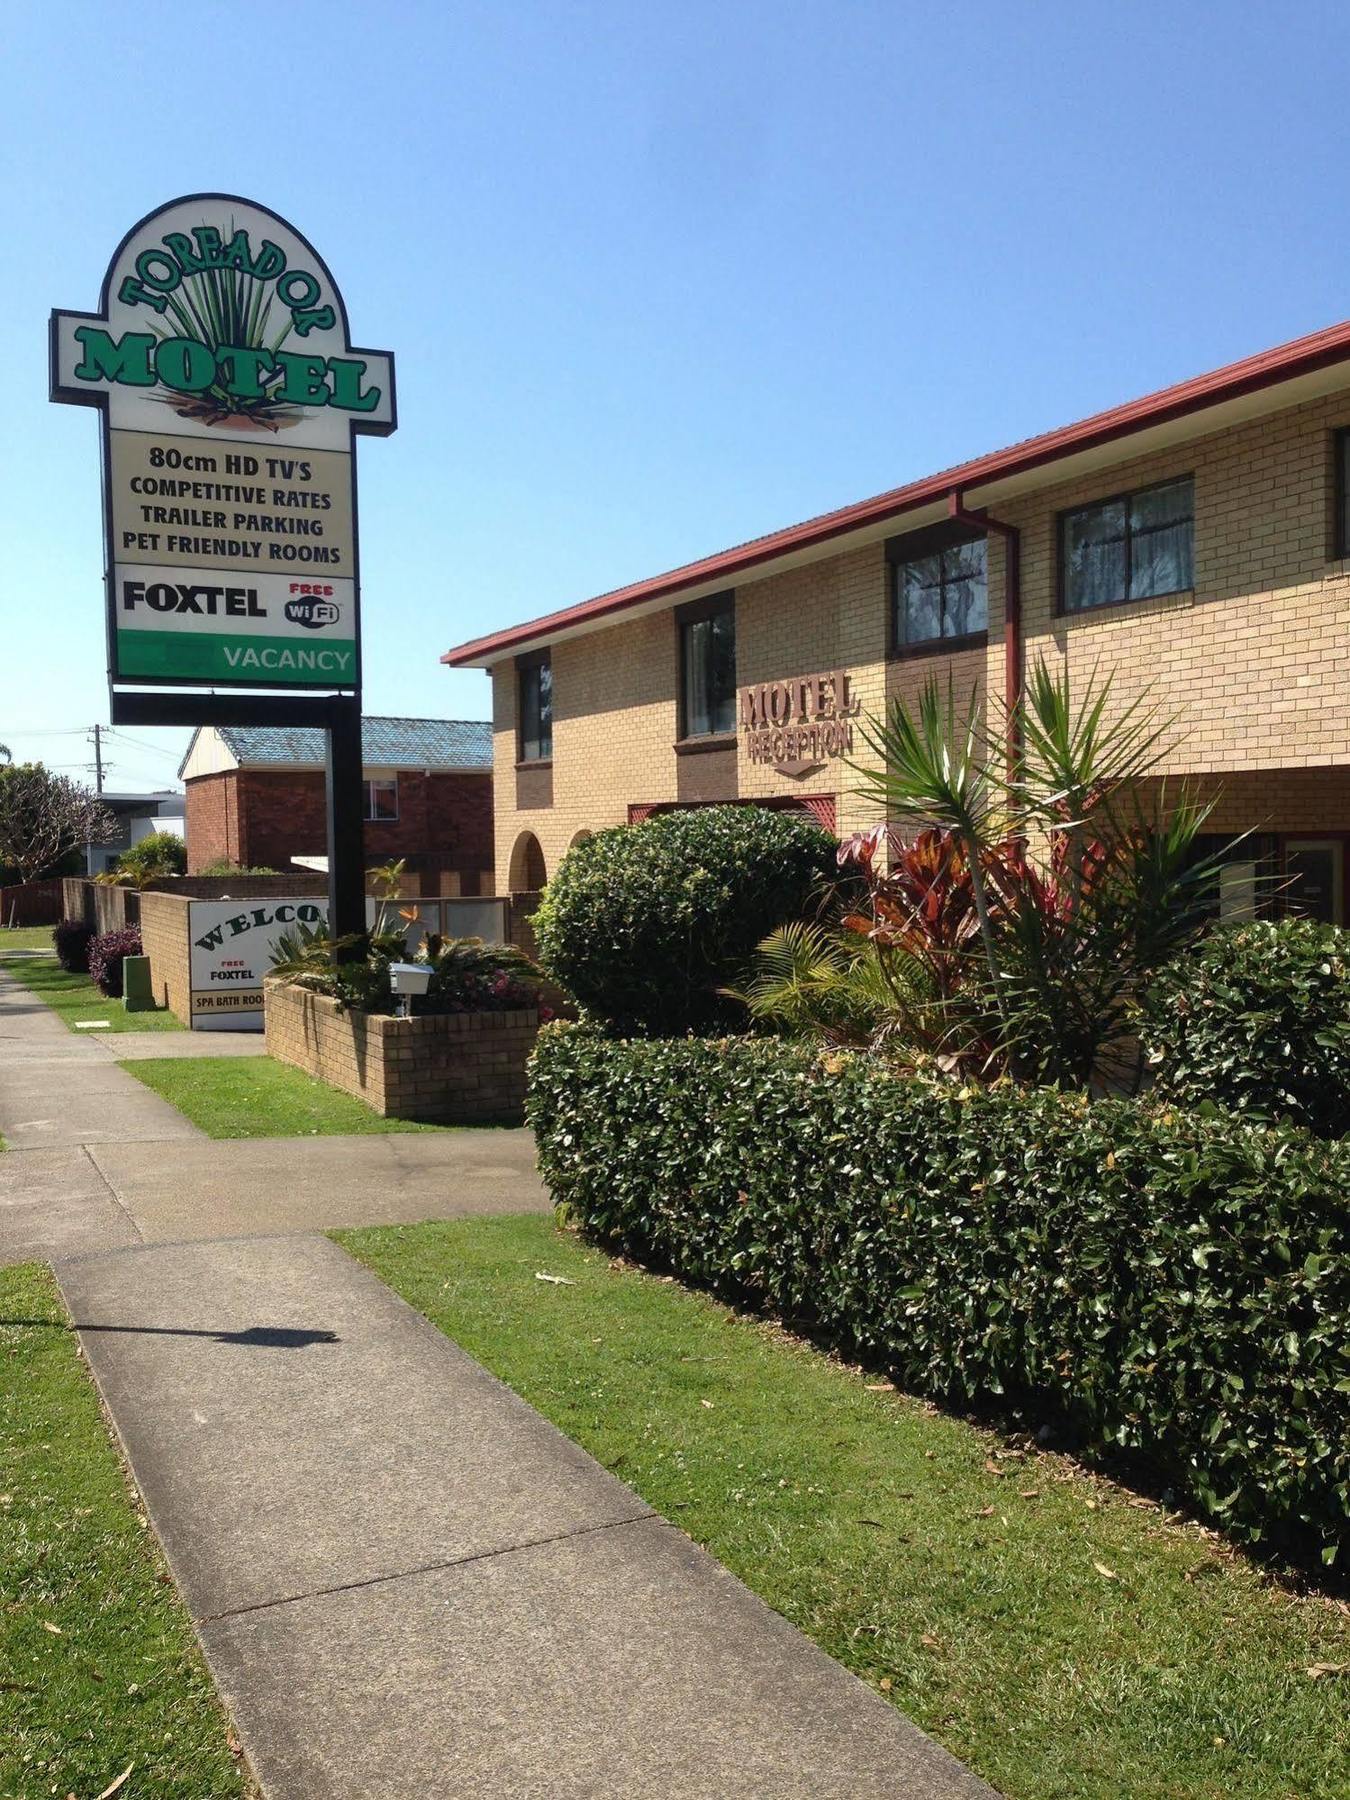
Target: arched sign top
219,320
230,394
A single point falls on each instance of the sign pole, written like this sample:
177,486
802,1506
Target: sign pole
346,830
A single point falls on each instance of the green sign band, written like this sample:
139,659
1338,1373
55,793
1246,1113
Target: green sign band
230,658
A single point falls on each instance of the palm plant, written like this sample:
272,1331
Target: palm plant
812,980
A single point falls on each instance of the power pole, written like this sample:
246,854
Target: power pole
98,789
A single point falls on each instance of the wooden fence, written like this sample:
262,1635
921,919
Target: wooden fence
31,903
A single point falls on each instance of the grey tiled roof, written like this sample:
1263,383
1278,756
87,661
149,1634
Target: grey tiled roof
385,743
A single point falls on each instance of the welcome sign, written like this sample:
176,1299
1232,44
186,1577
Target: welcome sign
232,942
231,394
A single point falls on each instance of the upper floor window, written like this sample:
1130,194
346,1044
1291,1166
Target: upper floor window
941,595
1131,547
536,707
708,668
381,797
1342,493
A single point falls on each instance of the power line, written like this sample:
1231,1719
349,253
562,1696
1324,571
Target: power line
140,743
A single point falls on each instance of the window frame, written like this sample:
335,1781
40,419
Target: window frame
1340,524
913,546
1062,609
369,815
694,612
534,659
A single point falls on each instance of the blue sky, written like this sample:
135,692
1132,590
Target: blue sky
657,279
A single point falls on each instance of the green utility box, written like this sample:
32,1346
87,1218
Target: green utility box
137,993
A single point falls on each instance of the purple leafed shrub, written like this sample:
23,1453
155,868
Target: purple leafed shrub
72,939
106,956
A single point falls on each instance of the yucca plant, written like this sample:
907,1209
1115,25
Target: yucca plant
228,309
1080,889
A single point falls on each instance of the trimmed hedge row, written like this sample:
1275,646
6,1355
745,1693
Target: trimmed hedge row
1179,1285
1257,1019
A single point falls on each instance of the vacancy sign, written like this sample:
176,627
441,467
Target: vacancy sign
231,393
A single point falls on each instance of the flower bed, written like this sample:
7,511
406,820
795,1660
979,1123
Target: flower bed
1178,1285
460,1068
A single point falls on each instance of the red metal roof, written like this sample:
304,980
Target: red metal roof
1300,357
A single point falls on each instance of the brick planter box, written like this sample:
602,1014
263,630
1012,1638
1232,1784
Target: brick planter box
456,1069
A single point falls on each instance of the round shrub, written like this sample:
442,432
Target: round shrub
1257,1019
71,940
161,853
643,923
106,956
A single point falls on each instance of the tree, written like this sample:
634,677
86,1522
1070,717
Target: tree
44,816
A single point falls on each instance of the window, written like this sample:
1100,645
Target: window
944,594
381,797
1342,493
536,707
708,668
1132,547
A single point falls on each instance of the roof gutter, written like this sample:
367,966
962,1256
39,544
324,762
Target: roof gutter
1304,356
1012,609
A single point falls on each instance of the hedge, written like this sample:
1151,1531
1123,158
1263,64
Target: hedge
71,940
643,923
1179,1286
1257,1019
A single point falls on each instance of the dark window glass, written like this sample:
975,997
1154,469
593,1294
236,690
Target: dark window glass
1129,548
536,711
382,799
944,595
1343,493
708,667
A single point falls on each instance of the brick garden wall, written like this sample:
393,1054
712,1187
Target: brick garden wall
164,939
457,1069
101,908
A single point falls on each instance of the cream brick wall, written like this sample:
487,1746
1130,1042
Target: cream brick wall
1256,661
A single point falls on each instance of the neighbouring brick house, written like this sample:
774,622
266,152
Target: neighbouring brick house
1196,541
256,797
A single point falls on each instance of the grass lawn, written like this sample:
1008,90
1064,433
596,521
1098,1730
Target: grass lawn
26,937
98,1665
257,1097
1059,1634
75,998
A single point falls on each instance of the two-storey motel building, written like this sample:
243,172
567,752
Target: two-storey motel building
1196,541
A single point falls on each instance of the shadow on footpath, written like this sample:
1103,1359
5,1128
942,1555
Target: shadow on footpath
266,1337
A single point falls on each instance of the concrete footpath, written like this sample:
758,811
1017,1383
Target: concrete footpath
99,1162
409,1584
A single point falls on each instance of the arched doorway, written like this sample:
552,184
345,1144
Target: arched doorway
527,873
